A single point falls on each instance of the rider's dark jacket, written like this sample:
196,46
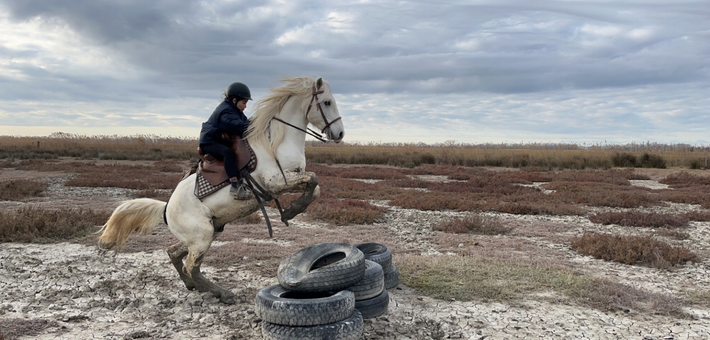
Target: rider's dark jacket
225,118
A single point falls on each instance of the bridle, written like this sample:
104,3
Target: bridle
308,131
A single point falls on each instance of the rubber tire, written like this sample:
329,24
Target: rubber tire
372,284
377,252
348,329
322,267
276,305
392,278
372,308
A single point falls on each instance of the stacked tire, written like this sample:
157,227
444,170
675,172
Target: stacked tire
380,258
325,291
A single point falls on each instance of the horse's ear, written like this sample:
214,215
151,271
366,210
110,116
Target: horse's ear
319,83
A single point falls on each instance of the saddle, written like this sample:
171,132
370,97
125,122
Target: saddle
212,169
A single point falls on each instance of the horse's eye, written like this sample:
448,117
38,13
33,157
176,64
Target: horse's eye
327,103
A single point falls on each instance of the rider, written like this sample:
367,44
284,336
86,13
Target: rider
228,117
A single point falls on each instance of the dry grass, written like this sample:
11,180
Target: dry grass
15,190
469,278
536,155
29,224
640,219
606,295
642,250
701,298
101,147
473,224
519,156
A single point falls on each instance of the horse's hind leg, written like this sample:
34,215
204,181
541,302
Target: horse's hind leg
177,252
192,269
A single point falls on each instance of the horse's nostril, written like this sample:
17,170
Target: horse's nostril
340,135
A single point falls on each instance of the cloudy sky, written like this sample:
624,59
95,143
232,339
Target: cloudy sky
471,71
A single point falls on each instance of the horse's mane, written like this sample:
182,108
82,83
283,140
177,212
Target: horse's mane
261,130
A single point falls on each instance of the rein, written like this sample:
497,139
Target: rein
309,132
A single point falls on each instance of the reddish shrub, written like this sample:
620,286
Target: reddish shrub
413,199
640,219
335,187
372,173
672,233
345,211
696,215
21,188
684,178
540,208
643,250
603,194
699,194
615,177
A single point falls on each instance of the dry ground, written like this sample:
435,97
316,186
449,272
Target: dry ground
69,291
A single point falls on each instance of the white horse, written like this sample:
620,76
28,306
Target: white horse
277,134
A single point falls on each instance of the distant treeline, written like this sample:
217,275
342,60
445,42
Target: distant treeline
544,155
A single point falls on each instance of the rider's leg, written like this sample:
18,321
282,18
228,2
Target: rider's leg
239,188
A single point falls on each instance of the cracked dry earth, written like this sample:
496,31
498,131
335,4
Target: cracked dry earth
75,293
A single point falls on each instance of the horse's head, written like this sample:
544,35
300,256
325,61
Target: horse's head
324,115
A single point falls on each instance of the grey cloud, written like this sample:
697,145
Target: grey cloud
522,47
431,53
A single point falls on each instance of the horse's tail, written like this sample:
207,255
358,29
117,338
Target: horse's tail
142,214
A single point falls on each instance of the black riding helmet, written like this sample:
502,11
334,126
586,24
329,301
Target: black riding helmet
239,90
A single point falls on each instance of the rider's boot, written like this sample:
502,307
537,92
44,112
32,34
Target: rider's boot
240,190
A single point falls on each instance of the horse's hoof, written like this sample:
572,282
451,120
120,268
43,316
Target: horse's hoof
228,298
190,285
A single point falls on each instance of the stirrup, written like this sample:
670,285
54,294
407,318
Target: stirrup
242,192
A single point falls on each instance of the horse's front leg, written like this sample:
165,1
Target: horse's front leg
296,181
310,193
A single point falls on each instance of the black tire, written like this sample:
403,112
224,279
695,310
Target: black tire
323,267
392,278
276,305
376,252
372,308
348,329
371,284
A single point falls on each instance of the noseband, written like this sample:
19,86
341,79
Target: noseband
314,97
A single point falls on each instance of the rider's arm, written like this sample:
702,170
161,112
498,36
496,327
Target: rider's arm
233,121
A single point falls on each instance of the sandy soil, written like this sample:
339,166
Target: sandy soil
78,294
